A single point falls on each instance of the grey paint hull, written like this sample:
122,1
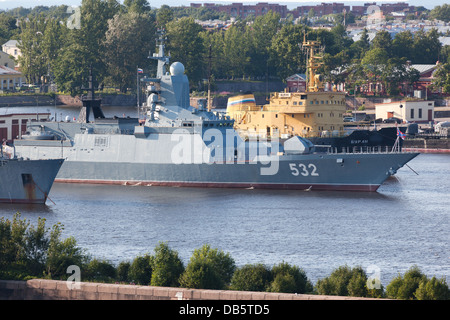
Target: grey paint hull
317,172
27,181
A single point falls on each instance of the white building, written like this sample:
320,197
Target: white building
407,111
9,78
12,48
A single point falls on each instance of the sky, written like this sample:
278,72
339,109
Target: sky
10,4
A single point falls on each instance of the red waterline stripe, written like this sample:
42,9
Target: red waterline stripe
324,187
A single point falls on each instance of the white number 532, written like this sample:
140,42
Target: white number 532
304,170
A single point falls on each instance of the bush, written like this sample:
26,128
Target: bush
289,279
167,267
99,271
415,285
122,271
27,251
405,287
208,269
256,277
140,271
434,289
346,281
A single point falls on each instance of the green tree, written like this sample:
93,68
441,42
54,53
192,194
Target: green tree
32,61
426,47
167,267
433,289
361,46
236,54
346,281
137,6
441,78
34,251
289,279
286,53
63,253
383,41
85,47
99,271
441,12
164,15
208,269
140,270
185,45
129,39
251,277
259,39
403,45
123,270
405,287
374,64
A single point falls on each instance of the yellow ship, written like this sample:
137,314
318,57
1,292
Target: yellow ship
314,113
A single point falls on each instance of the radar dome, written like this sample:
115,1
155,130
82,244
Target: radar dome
177,69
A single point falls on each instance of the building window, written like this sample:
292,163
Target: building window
420,113
412,114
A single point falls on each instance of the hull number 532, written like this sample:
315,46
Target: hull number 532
304,170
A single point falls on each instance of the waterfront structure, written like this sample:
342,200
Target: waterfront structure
407,111
13,125
9,78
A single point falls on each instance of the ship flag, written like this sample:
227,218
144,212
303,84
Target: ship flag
400,134
140,70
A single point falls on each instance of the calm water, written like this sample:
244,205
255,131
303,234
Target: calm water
405,223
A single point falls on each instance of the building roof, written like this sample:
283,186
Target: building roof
423,68
296,76
6,70
445,41
11,43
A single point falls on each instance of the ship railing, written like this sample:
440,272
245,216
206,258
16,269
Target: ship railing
361,149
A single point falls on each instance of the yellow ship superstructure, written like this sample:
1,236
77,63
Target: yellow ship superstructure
313,113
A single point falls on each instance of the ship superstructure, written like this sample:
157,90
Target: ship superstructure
312,113
179,145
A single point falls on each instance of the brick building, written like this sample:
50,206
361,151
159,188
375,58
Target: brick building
320,9
241,10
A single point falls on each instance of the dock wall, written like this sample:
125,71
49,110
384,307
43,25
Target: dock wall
39,289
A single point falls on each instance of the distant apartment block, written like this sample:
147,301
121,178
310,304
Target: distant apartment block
322,9
241,10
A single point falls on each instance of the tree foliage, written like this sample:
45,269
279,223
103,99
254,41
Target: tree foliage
208,269
127,46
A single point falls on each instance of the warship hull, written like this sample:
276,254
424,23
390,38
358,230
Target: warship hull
150,161
27,181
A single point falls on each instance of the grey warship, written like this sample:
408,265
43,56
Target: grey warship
26,181
182,146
